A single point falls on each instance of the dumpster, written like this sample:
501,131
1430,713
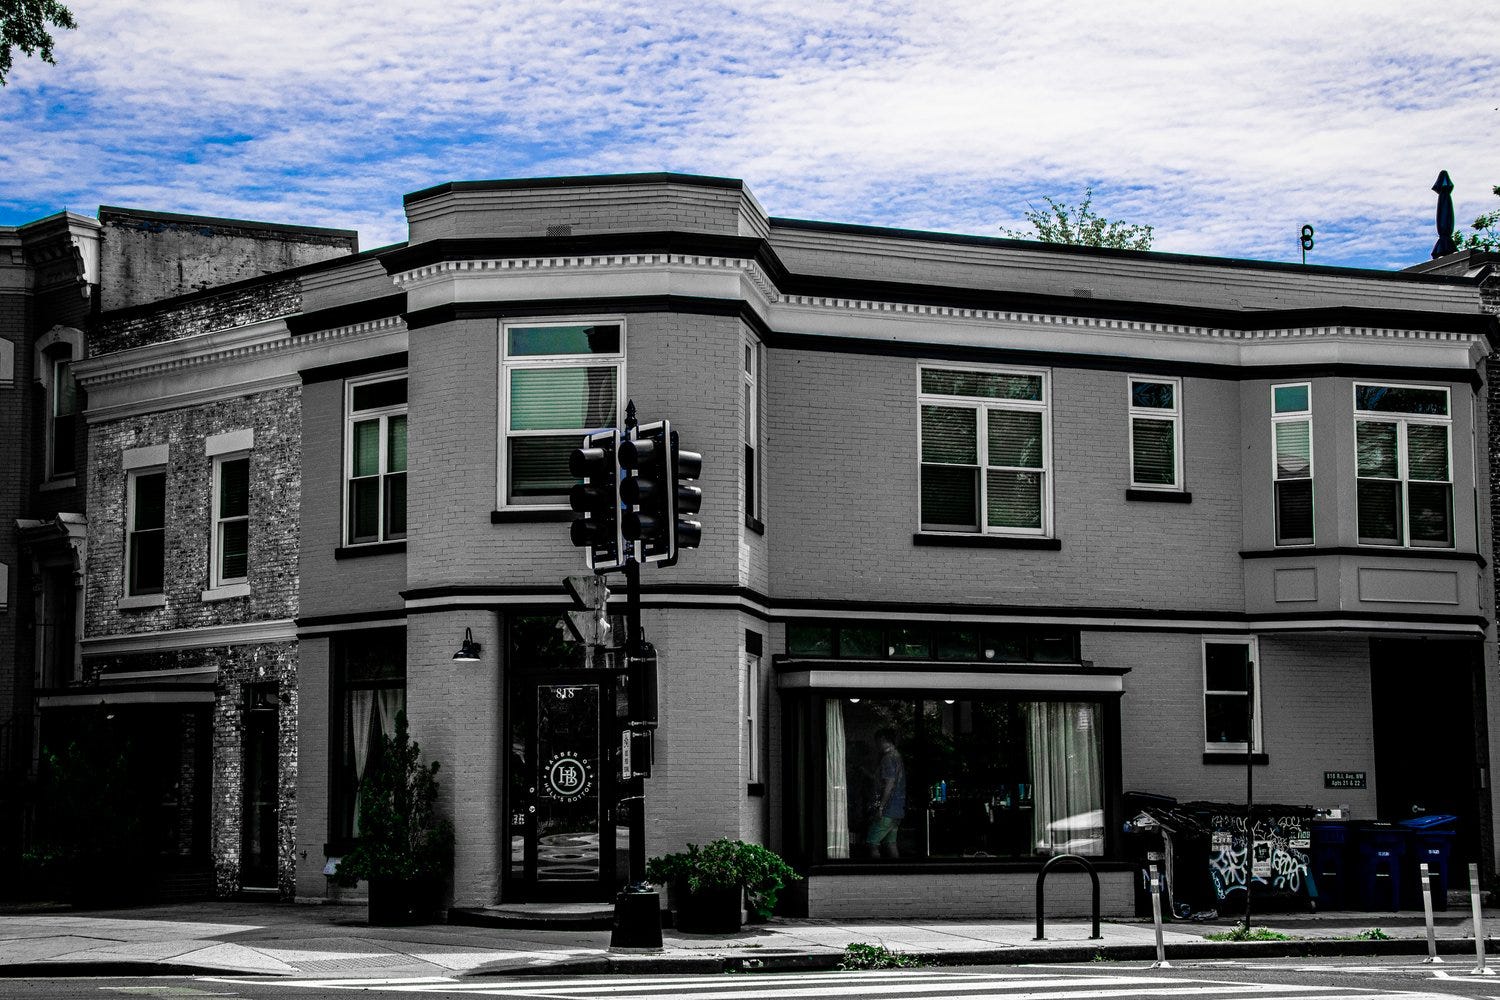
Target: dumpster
1332,868
1274,856
1430,839
1379,849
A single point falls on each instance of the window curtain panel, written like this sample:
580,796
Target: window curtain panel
837,781
1068,801
361,712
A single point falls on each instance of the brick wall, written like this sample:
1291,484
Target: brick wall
844,440
201,314
966,895
274,501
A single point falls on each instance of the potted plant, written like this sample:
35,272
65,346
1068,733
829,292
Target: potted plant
709,885
404,847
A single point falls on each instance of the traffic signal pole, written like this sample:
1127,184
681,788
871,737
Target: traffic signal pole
635,787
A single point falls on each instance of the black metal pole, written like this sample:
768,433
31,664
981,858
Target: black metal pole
635,787
1249,784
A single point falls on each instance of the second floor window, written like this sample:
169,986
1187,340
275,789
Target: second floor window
63,417
375,463
1292,468
145,535
985,451
1156,434
231,533
558,381
752,430
1405,469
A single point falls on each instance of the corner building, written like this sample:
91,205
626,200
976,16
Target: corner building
1040,523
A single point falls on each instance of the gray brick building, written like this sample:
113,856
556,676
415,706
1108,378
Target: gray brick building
994,534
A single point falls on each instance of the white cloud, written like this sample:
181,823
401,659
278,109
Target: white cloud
1226,126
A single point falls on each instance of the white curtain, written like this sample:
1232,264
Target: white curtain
837,781
389,701
361,709
1068,812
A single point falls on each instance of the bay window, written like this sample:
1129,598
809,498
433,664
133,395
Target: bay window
1292,464
985,451
375,461
1404,461
558,381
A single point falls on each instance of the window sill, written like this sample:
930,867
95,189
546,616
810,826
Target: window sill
65,483
1231,757
755,524
980,541
226,592
370,549
1159,496
755,789
141,602
524,515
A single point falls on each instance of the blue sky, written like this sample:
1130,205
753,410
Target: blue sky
1226,126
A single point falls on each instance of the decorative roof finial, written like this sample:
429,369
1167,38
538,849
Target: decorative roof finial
1444,188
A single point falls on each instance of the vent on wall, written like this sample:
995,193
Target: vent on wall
560,230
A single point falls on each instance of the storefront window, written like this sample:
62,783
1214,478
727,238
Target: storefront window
369,689
987,777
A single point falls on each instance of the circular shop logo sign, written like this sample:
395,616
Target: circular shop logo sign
569,776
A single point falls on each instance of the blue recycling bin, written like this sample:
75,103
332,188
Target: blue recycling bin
1379,849
1332,872
1430,840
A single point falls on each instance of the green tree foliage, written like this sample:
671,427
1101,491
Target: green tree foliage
401,835
1486,234
23,25
1082,226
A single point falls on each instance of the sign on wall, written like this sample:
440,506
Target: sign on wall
1344,779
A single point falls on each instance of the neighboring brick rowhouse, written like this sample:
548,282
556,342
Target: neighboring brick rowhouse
275,489
148,256
196,314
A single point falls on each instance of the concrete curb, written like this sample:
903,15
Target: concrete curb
99,970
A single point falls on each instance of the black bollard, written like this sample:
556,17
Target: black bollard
637,924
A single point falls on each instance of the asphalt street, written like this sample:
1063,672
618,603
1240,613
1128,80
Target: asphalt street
1266,979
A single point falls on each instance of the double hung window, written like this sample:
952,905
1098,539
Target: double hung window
145,534
559,381
1405,470
1292,465
985,451
64,408
1156,433
375,461
231,534
1231,675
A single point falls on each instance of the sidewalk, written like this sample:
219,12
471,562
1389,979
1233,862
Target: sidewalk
331,941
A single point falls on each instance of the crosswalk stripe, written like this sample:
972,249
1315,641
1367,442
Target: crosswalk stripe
1031,988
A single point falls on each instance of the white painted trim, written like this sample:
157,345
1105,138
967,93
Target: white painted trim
144,458
966,680
318,631
160,675
275,630
1252,654
137,602
142,404
1174,416
226,591
104,696
229,441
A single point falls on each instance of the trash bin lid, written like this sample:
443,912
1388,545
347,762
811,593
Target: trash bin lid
1430,822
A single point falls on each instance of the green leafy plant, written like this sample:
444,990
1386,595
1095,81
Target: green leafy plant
1240,933
859,956
726,864
1486,234
401,835
1081,226
1371,934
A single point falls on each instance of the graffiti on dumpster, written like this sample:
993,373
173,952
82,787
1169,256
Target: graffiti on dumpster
1283,838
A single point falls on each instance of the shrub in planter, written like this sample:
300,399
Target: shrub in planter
404,847
710,882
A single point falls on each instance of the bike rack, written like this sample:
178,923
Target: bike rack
1041,881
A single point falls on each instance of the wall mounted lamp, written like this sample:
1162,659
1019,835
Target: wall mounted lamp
469,651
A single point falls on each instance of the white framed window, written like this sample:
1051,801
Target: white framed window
755,696
985,450
229,543
375,460
62,414
752,430
1231,685
1155,433
1292,462
1404,458
558,381
145,531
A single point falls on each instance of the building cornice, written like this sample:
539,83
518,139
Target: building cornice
247,633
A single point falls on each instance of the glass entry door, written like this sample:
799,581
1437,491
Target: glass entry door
561,787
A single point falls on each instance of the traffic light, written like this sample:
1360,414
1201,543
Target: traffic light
645,489
597,498
686,499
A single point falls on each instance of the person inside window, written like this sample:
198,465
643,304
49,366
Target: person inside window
890,808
